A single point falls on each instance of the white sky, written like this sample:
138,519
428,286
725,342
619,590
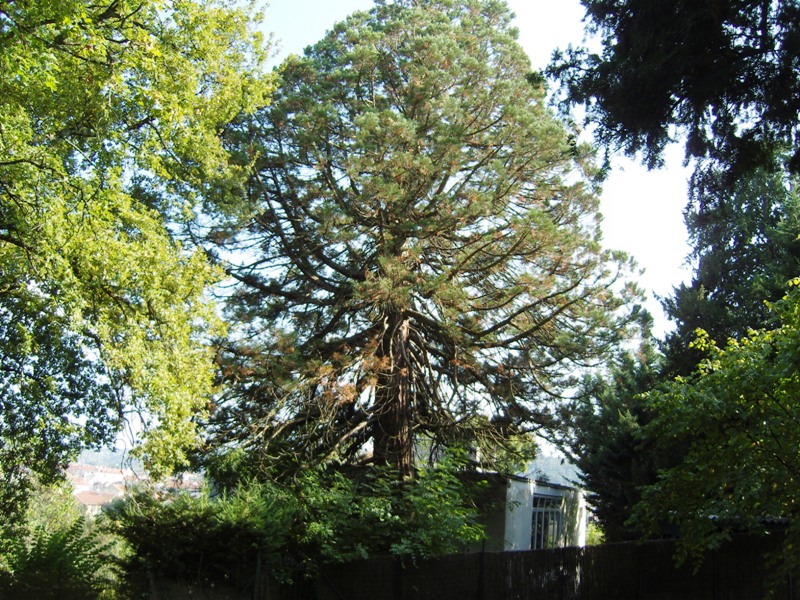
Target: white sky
643,211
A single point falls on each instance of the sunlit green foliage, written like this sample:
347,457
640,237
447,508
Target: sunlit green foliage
738,415
288,529
110,115
67,562
370,512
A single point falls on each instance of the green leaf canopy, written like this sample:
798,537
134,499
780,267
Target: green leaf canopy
110,114
739,412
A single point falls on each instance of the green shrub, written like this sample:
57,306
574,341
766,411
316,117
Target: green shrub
204,540
285,530
372,512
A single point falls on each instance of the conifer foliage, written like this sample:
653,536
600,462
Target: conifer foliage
723,72
423,249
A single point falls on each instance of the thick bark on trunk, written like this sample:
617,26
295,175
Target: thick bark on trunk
392,433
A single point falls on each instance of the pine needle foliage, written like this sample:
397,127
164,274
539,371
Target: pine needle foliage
423,248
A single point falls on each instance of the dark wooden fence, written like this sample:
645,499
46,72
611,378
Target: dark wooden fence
737,571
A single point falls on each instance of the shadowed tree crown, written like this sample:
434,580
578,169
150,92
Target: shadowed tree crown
422,263
725,73
723,76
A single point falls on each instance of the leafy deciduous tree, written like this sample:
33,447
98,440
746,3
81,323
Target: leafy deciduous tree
110,114
739,414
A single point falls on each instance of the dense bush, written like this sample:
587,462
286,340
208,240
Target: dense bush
203,540
50,551
286,530
373,513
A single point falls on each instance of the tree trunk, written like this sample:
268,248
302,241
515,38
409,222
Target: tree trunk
392,426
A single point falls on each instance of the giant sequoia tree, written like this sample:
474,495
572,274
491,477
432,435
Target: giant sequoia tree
109,121
423,261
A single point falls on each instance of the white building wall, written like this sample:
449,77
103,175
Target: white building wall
519,514
582,521
574,513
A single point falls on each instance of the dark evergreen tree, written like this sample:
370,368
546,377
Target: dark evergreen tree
725,73
423,249
745,252
745,249
606,443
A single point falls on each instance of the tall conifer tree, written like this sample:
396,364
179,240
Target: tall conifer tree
423,261
723,77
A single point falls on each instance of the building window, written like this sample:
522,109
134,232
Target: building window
548,525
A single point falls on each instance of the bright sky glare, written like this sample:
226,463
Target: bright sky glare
643,211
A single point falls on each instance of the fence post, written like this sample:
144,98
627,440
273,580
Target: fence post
398,578
715,579
324,578
481,573
151,582
257,580
639,575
